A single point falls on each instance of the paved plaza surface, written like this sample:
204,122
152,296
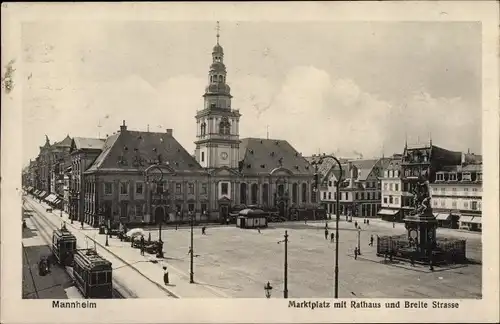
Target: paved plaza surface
234,262
240,261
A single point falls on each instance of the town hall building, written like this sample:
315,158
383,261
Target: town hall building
148,177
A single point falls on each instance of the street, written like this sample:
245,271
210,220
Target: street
233,262
55,285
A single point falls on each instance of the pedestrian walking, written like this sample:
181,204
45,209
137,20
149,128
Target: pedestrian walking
332,237
412,259
165,276
176,226
258,229
356,224
305,220
371,240
132,241
227,221
326,233
203,231
364,220
355,253
367,222
393,225
142,245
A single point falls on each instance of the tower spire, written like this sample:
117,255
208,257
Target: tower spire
218,32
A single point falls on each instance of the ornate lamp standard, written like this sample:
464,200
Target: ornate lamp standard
268,289
156,177
337,186
285,289
359,240
191,251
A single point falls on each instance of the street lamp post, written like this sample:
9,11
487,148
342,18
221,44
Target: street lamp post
103,211
156,178
191,270
285,289
359,241
337,200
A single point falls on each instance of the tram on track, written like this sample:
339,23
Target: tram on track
92,274
63,246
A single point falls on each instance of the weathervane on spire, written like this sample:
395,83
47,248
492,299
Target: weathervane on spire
218,32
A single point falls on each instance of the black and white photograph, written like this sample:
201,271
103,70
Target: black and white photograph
340,161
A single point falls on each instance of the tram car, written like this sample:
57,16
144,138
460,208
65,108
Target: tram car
63,246
92,274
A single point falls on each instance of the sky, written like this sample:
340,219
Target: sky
348,88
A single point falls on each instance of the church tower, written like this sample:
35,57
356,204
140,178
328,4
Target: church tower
217,124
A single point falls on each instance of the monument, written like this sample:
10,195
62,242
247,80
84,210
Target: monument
421,224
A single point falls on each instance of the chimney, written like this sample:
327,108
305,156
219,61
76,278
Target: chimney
170,131
123,127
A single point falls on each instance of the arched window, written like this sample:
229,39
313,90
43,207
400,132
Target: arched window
224,126
254,193
243,193
265,193
304,192
220,78
295,192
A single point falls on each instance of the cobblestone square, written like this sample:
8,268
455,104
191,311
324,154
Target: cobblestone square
240,261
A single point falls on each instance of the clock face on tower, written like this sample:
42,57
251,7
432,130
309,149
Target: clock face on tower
223,155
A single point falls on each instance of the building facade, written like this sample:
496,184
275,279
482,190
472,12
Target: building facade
392,190
360,188
83,152
420,163
457,196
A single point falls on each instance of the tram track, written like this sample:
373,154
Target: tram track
128,293
46,237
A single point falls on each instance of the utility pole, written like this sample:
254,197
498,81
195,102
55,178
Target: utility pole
191,273
285,290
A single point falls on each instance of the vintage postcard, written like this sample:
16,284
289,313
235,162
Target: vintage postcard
250,162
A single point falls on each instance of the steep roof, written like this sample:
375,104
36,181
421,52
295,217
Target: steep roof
261,156
394,164
66,142
135,151
85,143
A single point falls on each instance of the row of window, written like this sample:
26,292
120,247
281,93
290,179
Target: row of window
454,190
472,205
357,195
391,173
391,200
453,176
391,186
369,184
138,209
159,188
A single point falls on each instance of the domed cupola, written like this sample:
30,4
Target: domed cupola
217,48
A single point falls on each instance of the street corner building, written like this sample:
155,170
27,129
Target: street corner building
360,187
141,177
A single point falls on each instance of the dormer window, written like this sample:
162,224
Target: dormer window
479,176
386,173
466,176
212,105
453,176
439,176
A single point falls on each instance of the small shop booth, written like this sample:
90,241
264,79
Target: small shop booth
251,218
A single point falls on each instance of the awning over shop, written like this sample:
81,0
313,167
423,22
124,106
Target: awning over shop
466,219
51,198
389,212
42,194
57,200
442,216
